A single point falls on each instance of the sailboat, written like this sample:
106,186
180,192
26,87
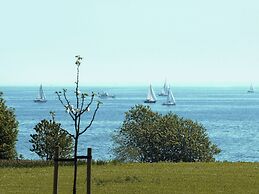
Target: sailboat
164,91
170,98
106,95
151,97
251,89
41,97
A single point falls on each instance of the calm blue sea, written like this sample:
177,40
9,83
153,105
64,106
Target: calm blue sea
229,114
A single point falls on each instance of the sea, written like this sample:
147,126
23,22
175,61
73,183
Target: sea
230,115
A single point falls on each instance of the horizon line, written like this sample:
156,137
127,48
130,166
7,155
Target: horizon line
129,85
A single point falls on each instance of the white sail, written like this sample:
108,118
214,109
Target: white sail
164,91
251,89
41,97
170,98
151,96
152,93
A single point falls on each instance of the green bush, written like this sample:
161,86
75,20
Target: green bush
8,131
148,136
48,135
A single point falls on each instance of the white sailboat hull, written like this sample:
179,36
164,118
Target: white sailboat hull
169,103
150,101
40,100
106,95
162,94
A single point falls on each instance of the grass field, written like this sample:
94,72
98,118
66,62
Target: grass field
138,178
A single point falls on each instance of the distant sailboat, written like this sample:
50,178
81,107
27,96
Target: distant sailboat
170,98
41,97
164,91
106,95
251,89
151,97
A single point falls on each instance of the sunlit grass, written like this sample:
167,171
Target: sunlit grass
146,178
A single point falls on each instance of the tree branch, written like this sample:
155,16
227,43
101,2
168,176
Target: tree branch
82,102
66,106
87,107
81,108
77,81
97,107
68,103
65,131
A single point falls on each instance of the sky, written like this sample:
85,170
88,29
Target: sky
129,42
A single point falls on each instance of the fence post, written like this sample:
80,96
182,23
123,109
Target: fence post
55,180
88,170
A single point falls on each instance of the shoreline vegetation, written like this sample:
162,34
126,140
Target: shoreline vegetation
26,163
145,178
20,163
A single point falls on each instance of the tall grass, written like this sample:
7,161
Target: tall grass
139,178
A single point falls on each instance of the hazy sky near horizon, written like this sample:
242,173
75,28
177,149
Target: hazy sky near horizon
130,42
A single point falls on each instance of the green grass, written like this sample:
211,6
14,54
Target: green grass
139,178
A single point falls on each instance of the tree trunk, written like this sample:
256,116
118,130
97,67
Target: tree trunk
75,165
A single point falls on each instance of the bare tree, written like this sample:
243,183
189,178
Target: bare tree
76,112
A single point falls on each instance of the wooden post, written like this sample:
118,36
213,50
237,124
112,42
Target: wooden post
88,170
55,180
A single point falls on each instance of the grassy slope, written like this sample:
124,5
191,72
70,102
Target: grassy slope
138,178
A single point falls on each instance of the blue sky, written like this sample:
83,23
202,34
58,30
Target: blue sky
130,42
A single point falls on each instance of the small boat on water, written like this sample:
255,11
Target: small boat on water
151,97
41,97
164,91
106,95
251,89
170,98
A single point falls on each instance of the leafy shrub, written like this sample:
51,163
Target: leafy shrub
148,136
8,131
48,135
